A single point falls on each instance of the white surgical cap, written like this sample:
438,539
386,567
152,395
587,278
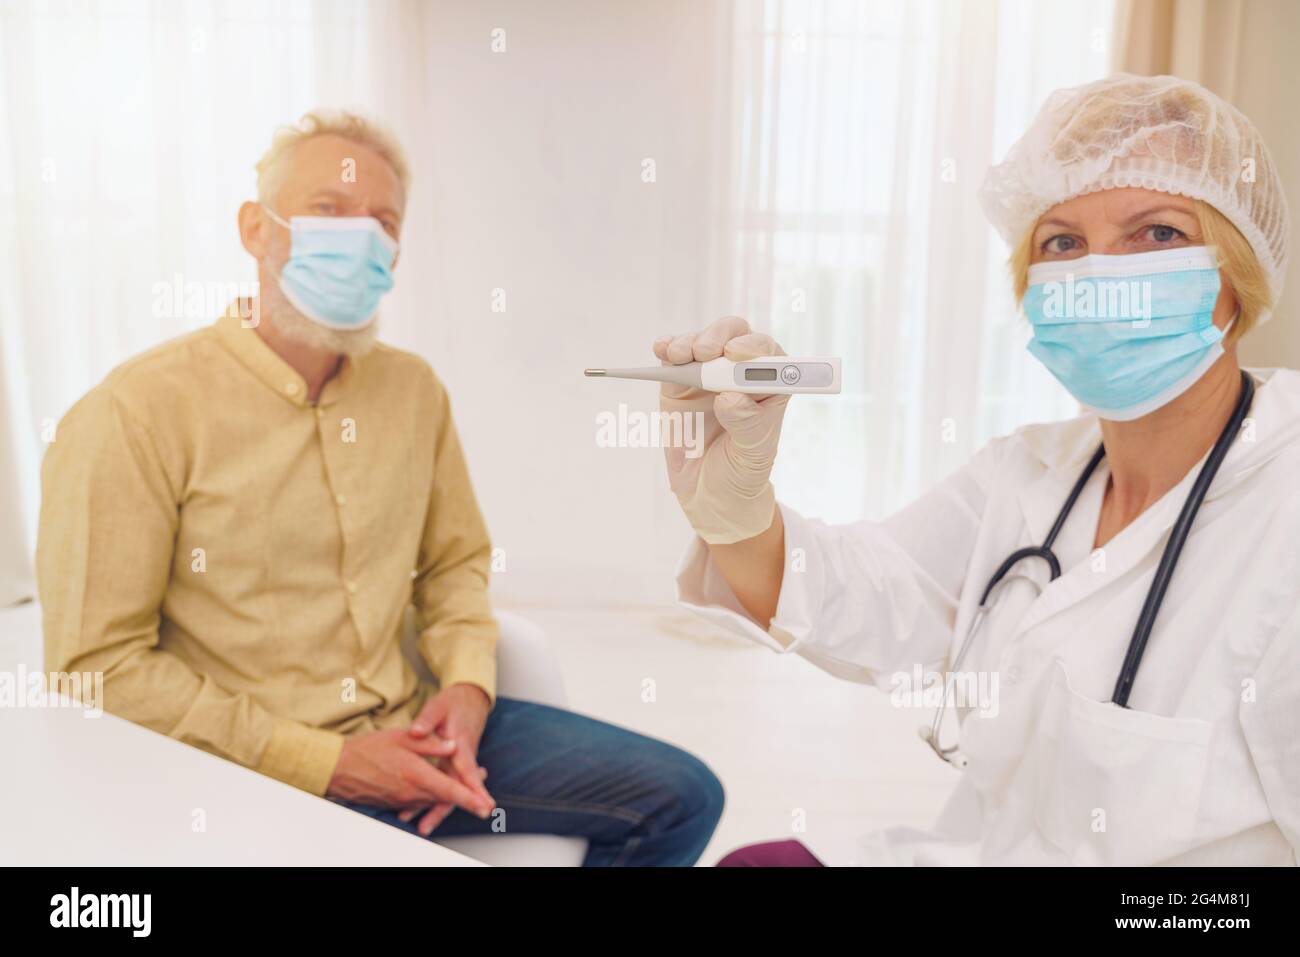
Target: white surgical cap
1153,132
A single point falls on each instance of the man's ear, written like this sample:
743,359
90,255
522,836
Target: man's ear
254,230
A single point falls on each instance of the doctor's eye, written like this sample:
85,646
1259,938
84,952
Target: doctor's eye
1161,233
323,207
1061,245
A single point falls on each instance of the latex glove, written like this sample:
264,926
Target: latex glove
725,491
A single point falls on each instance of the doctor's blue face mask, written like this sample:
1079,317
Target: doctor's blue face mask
1126,334
339,268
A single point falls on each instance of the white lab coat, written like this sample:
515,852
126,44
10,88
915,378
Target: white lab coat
1203,768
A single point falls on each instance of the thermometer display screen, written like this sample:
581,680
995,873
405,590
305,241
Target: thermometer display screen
760,375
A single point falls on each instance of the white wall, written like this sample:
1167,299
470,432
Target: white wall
527,168
533,185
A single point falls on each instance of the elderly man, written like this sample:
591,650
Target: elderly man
233,524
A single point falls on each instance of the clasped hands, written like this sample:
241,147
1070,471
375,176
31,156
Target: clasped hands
426,770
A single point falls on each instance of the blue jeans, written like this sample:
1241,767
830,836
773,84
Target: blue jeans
637,801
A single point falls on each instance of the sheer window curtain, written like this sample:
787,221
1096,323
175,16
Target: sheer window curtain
128,129
828,153
849,224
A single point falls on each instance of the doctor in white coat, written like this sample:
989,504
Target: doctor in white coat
1148,659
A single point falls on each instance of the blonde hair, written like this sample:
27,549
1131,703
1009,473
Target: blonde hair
1238,265
350,126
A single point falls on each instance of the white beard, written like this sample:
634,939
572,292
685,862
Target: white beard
293,325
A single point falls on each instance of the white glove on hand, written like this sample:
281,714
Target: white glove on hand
725,491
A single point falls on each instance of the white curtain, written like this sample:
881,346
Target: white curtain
816,167
128,132
858,138
128,129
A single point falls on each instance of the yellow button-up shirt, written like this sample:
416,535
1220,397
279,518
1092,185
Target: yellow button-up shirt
237,561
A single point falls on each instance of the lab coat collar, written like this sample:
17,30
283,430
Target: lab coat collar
1273,424
1064,447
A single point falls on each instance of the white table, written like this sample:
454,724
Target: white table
84,791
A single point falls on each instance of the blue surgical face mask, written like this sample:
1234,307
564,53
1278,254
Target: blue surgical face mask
1126,334
339,268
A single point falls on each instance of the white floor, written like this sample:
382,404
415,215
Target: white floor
789,742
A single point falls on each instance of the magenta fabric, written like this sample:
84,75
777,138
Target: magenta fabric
771,854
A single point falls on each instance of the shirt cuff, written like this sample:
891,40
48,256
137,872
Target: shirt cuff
301,755
472,667
702,588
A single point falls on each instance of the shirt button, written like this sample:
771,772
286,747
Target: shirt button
352,588
291,388
341,499
320,413
1014,674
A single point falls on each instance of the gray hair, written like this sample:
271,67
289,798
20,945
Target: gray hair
351,126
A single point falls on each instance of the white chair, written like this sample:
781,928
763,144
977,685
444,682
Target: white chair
528,670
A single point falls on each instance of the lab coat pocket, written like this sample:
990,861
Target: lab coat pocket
1116,786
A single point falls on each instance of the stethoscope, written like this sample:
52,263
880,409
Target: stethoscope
1155,594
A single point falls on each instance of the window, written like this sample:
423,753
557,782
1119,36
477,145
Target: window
859,135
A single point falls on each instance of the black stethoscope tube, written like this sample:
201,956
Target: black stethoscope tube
1182,527
1173,549
1044,551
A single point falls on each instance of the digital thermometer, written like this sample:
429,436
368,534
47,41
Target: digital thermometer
770,375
